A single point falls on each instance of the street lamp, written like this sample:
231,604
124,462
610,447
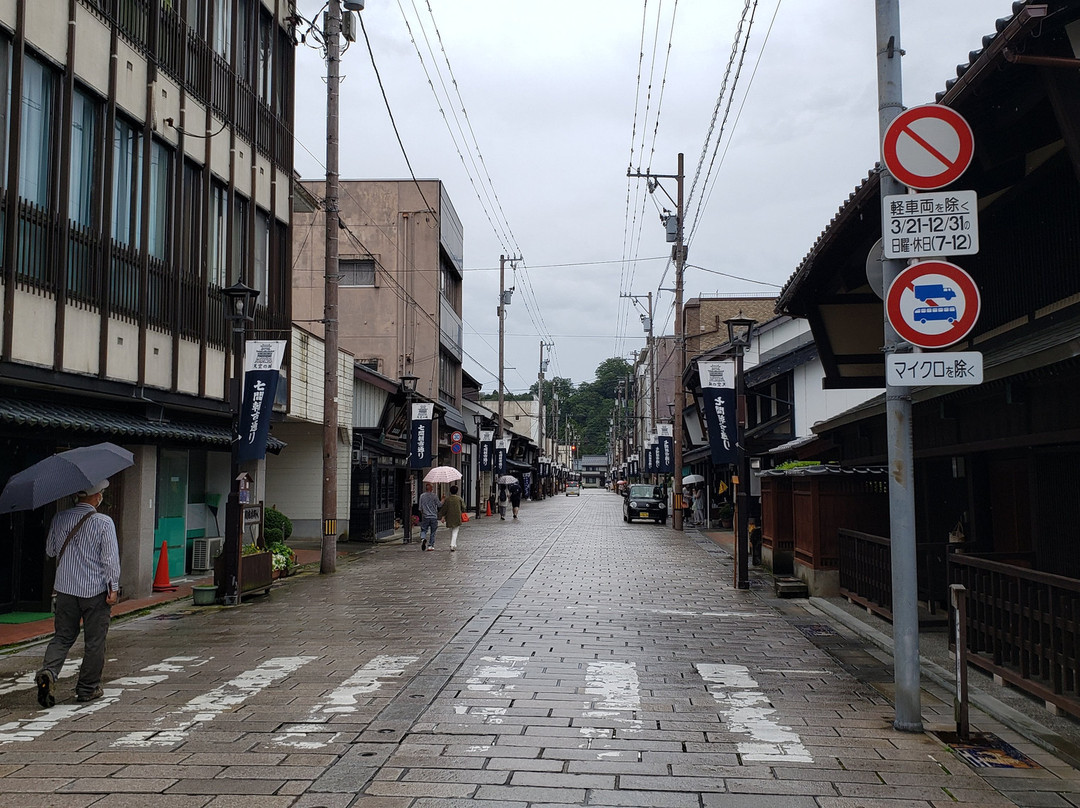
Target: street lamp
740,329
408,387
239,300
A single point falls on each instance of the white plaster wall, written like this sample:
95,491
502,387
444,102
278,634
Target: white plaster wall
82,338
34,326
7,13
158,359
245,153
188,367
91,49
215,373
219,149
194,121
131,81
166,100
123,351
262,184
42,30
294,478
135,528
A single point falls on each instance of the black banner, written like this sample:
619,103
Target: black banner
487,447
718,389
500,460
258,403
667,454
420,444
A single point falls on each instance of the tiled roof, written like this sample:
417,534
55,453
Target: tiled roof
101,422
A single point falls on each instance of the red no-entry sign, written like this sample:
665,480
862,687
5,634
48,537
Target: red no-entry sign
928,147
932,304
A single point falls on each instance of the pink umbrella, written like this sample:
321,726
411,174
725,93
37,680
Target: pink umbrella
442,474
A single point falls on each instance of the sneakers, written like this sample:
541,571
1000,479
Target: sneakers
453,549
97,693
430,547
44,681
423,544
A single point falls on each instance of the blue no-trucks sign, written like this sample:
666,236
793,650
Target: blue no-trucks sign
932,304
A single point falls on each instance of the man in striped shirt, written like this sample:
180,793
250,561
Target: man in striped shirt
87,584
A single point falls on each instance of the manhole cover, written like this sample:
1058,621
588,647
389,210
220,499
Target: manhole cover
985,750
816,630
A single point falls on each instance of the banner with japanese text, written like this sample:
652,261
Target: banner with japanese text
487,448
666,434
262,361
420,455
718,388
502,446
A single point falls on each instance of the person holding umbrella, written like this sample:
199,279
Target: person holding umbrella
87,585
429,517
451,509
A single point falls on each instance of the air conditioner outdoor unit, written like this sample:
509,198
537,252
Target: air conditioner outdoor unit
203,553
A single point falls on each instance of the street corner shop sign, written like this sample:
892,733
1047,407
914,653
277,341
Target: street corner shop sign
932,304
928,147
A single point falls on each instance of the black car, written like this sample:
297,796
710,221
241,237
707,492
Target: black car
645,502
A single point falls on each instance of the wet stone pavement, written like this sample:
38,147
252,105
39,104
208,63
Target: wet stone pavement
563,658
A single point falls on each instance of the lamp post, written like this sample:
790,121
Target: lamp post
478,420
408,387
740,329
239,300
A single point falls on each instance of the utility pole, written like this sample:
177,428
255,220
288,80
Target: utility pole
679,256
502,335
540,390
898,414
328,560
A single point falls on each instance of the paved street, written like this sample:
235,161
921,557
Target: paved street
563,658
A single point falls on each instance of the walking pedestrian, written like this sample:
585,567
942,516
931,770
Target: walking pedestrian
429,517
515,498
450,511
502,502
86,586
699,505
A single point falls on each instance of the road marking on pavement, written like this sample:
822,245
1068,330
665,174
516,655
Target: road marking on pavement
27,729
616,683
492,679
175,726
747,711
26,680
343,699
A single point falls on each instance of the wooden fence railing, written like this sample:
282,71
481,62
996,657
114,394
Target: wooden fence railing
1023,626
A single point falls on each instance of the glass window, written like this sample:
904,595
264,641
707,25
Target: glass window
239,239
5,105
193,219
127,189
243,43
265,66
357,271
261,275
85,112
158,214
219,207
222,39
36,132
193,15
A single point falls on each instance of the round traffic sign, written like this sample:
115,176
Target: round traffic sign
455,436
455,448
932,304
928,147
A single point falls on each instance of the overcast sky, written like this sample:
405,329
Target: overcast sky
534,140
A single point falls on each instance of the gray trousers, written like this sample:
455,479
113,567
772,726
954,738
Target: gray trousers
94,614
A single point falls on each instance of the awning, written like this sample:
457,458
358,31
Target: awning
451,418
517,464
71,418
373,447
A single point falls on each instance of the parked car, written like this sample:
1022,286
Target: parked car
645,502
573,488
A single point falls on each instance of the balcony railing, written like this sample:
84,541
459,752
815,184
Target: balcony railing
866,572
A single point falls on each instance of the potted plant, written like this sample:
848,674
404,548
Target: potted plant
282,558
725,513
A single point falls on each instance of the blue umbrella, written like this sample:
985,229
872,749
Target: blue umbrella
63,474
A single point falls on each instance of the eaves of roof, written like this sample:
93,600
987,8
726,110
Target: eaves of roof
74,418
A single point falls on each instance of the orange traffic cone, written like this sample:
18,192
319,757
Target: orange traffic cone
489,508
161,578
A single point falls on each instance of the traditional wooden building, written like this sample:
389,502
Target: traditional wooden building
148,160
996,483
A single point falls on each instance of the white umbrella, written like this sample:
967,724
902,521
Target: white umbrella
507,479
690,479
442,474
